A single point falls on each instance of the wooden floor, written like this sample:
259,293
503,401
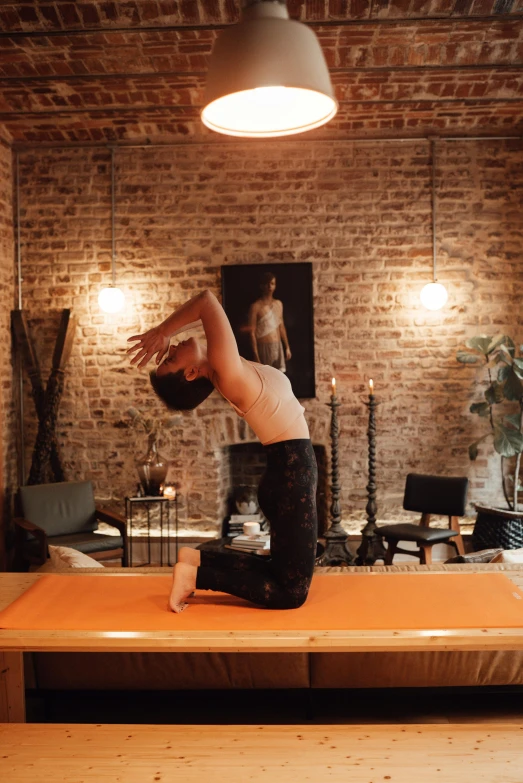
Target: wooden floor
272,754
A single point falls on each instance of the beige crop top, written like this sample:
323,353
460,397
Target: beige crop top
276,407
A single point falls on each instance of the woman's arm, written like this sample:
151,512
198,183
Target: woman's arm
236,380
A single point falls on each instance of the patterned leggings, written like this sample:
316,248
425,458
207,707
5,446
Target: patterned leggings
287,496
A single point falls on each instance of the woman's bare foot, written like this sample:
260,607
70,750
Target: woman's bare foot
189,555
184,582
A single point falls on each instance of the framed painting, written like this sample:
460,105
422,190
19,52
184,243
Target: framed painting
270,308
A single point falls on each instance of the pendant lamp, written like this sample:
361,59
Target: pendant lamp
434,295
267,76
111,299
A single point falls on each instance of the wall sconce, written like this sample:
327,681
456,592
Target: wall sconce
434,295
111,299
267,76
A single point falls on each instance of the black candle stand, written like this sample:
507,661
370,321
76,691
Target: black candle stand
371,547
336,541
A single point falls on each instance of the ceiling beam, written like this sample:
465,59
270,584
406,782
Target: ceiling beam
188,108
417,20
80,77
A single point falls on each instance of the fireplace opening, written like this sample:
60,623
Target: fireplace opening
244,465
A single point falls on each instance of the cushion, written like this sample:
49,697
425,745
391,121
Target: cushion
509,556
60,509
64,557
88,542
83,542
407,532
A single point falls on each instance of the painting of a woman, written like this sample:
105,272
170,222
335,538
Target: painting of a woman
270,310
266,326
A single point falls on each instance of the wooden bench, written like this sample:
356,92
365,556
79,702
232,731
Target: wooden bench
280,754
14,643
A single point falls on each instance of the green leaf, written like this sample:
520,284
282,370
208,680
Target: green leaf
473,448
518,367
494,393
508,344
512,386
507,442
481,408
497,341
513,419
468,358
479,343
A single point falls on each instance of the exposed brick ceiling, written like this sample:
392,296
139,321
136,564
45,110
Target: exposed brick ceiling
132,71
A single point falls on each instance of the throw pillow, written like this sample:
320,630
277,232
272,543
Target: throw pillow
509,556
64,557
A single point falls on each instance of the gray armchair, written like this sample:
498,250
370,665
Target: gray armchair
65,514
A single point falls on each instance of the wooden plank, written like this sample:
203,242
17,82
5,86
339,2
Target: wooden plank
45,443
276,641
12,693
64,341
279,754
25,347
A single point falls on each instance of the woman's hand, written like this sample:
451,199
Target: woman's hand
149,343
288,354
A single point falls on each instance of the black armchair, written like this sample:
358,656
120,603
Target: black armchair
429,495
65,514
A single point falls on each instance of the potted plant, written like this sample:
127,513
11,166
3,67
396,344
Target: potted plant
502,410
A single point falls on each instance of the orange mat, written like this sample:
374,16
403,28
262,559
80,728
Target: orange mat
336,603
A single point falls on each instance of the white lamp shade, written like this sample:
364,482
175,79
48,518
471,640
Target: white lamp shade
267,77
111,299
433,296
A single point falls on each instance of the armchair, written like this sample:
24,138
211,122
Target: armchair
65,514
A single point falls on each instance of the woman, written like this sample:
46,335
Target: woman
266,326
262,395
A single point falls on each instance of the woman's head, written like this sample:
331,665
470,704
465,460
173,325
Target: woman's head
178,393
179,380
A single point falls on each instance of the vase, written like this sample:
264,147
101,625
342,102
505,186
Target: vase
497,528
152,469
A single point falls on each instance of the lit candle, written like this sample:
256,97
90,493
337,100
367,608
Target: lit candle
334,387
169,492
371,386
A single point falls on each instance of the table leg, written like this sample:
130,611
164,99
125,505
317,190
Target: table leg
148,534
129,517
176,525
161,534
12,688
168,510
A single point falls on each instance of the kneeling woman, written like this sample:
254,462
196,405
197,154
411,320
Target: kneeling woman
262,395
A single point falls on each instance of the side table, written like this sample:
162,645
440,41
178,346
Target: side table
164,508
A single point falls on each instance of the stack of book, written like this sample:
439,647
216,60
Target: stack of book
258,544
235,524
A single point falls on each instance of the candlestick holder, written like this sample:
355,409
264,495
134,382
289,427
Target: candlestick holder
336,544
371,547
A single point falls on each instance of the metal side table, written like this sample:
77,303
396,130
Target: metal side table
164,508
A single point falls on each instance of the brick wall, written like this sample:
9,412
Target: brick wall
7,417
361,213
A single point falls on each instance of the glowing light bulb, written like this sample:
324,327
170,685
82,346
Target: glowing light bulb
269,111
111,299
433,296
